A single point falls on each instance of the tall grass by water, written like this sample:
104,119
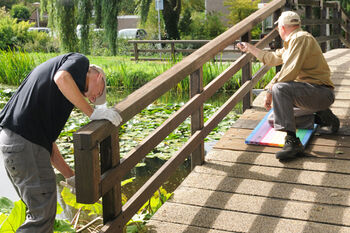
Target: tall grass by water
121,72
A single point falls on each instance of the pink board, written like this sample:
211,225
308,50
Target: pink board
265,135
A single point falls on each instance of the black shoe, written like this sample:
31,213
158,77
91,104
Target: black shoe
292,149
327,118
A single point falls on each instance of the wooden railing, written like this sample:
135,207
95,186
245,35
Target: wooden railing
173,50
98,166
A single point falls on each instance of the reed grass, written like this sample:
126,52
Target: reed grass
122,73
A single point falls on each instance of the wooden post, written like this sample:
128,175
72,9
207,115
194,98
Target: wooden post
308,15
247,74
347,24
136,51
278,40
336,27
323,28
112,200
87,173
172,44
197,121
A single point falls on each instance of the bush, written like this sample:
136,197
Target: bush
41,42
13,34
202,27
20,12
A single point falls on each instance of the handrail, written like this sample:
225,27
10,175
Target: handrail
99,169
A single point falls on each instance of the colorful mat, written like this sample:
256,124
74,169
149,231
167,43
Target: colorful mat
265,135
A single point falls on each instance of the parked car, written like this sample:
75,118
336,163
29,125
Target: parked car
132,33
40,29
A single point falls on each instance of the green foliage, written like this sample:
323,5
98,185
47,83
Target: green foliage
16,65
144,6
12,216
13,34
62,226
14,219
127,7
41,42
110,9
156,201
240,9
70,199
194,5
6,205
98,13
7,3
185,22
85,9
20,12
67,23
202,27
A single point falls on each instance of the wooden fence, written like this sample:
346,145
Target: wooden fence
98,166
173,50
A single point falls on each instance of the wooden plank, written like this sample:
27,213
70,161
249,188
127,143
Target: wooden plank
276,174
297,192
87,175
227,143
232,221
197,118
246,74
266,206
91,134
160,226
268,160
110,157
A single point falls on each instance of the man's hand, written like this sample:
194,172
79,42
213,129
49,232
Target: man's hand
107,114
243,46
268,101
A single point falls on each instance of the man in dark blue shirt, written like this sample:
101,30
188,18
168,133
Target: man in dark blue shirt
31,122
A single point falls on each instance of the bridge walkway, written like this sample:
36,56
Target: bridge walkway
243,188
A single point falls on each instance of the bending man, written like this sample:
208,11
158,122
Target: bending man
32,121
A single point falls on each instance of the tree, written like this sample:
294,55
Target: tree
110,10
85,9
98,13
20,12
7,4
67,24
171,15
240,9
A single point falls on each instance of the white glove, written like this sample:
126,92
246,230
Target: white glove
107,114
69,183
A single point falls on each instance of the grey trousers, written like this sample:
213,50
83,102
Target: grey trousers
294,104
29,169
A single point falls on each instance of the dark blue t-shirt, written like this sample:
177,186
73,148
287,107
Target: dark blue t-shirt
38,110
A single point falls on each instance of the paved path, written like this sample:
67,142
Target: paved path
243,188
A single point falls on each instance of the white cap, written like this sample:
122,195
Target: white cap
288,18
102,98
